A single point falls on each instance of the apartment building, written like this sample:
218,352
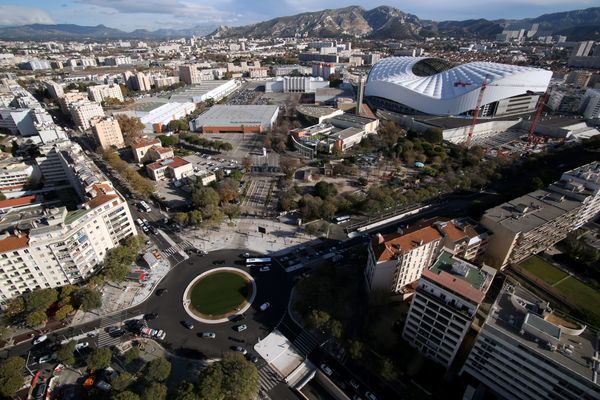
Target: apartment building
52,164
70,98
447,297
99,93
189,74
55,90
166,81
590,104
107,132
536,221
140,82
15,174
141,147
526,351
395,261
83,111
169,168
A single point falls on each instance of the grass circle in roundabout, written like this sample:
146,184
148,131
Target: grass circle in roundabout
219,294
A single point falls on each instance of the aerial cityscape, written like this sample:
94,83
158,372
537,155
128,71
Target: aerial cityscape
260,200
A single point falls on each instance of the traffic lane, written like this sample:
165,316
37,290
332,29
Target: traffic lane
273,287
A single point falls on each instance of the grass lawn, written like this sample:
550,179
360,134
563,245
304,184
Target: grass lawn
581,294
220,293
543,270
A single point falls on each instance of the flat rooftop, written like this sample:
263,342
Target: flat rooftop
516,305
528,212
187,93
236,115
317,111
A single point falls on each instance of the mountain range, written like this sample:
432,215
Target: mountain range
382,22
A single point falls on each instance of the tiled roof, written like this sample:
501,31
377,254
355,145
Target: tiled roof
19,201
171,162
12,243
101,199
402,243
145,143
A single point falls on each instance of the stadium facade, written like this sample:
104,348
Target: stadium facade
434,86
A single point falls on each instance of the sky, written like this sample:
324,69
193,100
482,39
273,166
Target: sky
155,14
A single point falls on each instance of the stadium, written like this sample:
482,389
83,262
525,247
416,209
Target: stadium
434,86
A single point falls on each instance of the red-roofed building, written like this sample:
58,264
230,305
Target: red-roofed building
140,148
446,300
169,168
19,202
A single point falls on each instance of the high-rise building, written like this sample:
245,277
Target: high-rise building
188,74
107,132
590,104
397,260
579,79
99,93
532,223
446,300
582,49
526,351
83,111
16,174
55,90
69,98
141,82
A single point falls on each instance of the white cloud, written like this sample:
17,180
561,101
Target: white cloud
21,15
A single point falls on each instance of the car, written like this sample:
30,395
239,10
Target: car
160,292
39,391
40,339
81,346
246,255
241,328
356,397
241,349
118,333
219,262
188,324
238,317
151,316
354,384
46,358
252,358
208,335
112,329
326,369
370,396
264,306
265,269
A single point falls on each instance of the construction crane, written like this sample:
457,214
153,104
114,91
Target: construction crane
477,107
532,138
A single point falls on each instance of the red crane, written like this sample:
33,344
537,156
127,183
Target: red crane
476,109
532,138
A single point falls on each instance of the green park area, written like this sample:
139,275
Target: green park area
577,292
220,293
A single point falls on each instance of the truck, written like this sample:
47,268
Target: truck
153,333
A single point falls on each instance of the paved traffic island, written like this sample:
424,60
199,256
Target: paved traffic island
215,295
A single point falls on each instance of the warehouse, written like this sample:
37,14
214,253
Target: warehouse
236,118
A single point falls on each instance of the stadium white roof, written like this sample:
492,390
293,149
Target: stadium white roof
436,86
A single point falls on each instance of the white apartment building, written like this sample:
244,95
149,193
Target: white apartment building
52,164
141,82
100,93
532,223
447,297
166,81
525,351
107,132
189,74
55,90
15,174
590,104
397,260
69,98
83,111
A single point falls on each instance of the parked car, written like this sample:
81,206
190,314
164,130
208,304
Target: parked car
325,368
241,349
238,317
117,333
252,358
188,324
265,269
208,335
264,306
151,316
241,328
246,255
370,396
46,358
40,339
111,329
81,346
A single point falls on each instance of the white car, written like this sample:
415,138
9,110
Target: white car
265,269
82,345
264,306
370,396
40,339
328,371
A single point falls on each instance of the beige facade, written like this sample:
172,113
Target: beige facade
100,93
107,132
189,74
141,147
83,111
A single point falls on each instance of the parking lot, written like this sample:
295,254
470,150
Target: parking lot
256,195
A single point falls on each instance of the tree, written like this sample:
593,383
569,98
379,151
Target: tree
433,135
156,391
203,197
335,328
127,395
67,291
66,353
132,355
289,165
236,174
536,183
121,381
63,312
99,359
186,391
386,369
318,319
135,244
36,318
228,190
356,349
11,376
15,307
181,218
131,128
247,164
158,369
40,300
88,299
2,196
167,141
231,378
325,190
232,211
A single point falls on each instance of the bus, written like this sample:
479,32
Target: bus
258,261
144,206
341,219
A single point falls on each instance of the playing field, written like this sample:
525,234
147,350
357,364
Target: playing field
543,270
220,293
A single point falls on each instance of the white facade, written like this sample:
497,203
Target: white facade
107,132
591,104
166,113
434,86
83,111
100,93
14,174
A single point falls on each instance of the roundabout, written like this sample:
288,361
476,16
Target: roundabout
215,295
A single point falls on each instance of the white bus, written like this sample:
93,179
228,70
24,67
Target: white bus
341,219
144,206
258,261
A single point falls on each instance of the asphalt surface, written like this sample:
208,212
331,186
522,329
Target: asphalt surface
273,286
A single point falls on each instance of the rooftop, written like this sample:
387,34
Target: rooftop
317,111
355,119
19,201
145,143
13,242
523,317
386,247
235,115
171,162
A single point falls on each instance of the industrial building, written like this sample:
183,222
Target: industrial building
295,84
446,300
157,119
236,118
205,90
424,85
527,351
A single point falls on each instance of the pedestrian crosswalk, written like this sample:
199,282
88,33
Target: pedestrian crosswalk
176,248
305,342
268,378
104,339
